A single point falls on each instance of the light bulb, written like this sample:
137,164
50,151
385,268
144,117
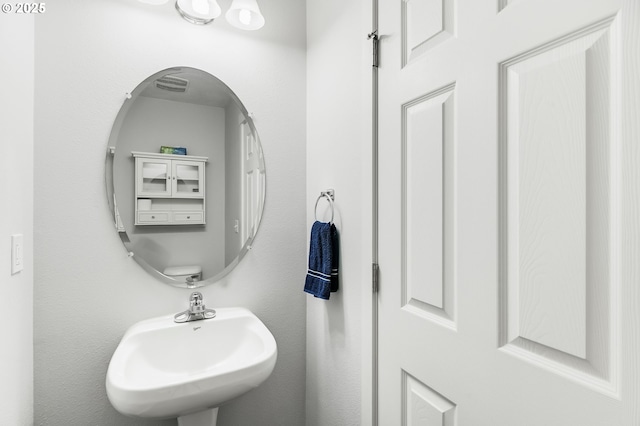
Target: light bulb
244,16
198,11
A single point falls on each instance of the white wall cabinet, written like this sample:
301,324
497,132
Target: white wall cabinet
169,189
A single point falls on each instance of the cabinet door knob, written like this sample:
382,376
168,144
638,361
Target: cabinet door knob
153,217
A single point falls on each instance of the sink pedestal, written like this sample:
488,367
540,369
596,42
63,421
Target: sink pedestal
202,418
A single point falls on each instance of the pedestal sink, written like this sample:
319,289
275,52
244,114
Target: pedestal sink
164,369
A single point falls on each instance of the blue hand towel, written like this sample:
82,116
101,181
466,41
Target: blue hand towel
324,257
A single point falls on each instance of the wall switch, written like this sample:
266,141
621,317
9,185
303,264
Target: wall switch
17,253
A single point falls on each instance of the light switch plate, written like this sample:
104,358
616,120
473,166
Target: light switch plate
17,253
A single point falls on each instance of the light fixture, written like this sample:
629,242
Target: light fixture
245,14
199,12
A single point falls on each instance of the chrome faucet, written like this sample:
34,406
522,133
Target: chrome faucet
197,311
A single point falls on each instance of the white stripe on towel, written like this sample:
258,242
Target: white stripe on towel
318,275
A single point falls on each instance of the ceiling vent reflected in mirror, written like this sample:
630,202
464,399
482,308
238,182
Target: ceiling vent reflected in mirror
171,83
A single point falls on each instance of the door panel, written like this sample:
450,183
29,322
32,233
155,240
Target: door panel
422,406
557,204
508,212
425,24
427,189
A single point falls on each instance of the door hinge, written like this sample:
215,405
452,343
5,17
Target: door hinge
374,36
375,272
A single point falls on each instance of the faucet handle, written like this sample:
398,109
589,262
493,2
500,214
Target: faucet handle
195,303
196,297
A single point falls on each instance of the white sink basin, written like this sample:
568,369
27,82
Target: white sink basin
163,369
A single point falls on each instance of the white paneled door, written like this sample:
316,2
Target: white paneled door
509,213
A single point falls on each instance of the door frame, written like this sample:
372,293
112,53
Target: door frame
369,354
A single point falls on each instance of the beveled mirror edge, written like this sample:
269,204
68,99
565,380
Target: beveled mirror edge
110,191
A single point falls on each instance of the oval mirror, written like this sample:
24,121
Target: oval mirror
185,177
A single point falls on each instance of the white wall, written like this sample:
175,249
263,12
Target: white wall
16,193
339,157
87,292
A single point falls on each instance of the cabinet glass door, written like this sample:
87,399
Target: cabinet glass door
188,179
154,177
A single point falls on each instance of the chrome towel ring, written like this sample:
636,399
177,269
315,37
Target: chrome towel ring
329,195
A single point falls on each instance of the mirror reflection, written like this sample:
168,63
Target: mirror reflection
185,177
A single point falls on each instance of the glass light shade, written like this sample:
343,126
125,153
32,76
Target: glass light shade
198,12
245,14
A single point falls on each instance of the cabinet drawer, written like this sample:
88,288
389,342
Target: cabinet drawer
188,217
153,217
